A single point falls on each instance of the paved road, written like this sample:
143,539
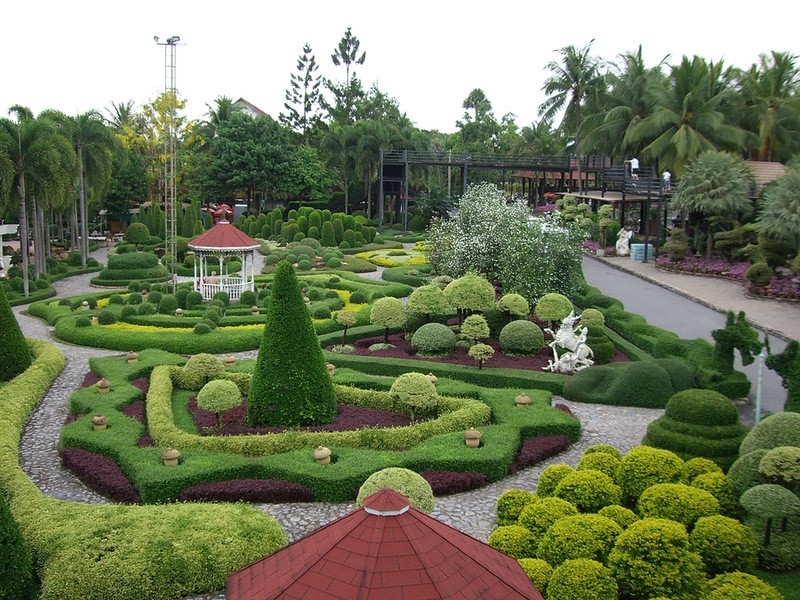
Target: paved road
692,307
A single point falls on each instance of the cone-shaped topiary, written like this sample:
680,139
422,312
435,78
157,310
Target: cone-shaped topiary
290,383
16,566
15,356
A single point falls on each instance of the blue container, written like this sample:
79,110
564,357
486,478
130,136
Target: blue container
637,251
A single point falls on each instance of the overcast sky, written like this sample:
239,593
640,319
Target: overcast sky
87,54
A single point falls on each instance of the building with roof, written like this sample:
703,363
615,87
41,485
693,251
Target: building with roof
212,248
385,550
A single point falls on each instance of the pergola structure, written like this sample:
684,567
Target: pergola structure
211,248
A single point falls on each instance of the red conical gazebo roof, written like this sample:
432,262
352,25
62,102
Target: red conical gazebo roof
223,236
385,550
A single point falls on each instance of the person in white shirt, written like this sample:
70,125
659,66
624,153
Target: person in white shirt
666,178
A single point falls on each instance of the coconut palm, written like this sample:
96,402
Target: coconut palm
688,115
574,80
770,93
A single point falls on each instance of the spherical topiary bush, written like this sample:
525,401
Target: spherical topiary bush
106,317
515,305
470,292
759,273
721,487
678,502
154,297
553,307
724,544
510,504
416,393
116,299
127,312
248,298
537,570
389,313
404,481
320,310
582,579
514,540
767,502
702,407
603,448
781,465
134,298
644,466
579,536
521,338
223,297
199,370
737,586
588,490
698,466
333,263
539,516
550,477
146,309
652,558
622,516
591,317
474,328
193,299
83,321
779,429
218,396
168,305
600,461
433,339
744,472
201,328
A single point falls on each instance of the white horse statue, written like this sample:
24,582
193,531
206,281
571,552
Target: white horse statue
573,339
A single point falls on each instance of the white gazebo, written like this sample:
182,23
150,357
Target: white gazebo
211,248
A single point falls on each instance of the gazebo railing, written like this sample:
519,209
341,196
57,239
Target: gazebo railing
231,285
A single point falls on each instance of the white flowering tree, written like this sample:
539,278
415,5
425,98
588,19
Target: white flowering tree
501,239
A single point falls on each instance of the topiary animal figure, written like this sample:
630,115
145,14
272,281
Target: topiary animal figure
290,385
787,365
15,355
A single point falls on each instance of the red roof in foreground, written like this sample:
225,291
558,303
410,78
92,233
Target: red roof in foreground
223,236
385,550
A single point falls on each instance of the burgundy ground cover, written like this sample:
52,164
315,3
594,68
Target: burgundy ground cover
101,474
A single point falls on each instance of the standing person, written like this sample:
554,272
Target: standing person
634,167
666,179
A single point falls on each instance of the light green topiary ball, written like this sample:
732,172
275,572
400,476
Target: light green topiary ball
404,481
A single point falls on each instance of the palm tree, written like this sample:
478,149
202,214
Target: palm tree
688,115
32,157
716,184
574,80
771,96
779,216
93,143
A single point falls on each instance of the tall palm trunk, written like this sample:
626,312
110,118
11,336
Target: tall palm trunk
23,229
73,238
83,210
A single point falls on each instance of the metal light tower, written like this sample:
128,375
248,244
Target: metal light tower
170,189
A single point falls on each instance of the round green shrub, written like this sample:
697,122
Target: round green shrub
515,305
223,297
83,321
724,544
603,348
652,558
698,466
579,536
168,305
133,260
470,292
213,313
404,481
622,516
537,570
553,307
678,502
721,487
358,297
304,265
219,395
127,312
106,317
146,309
603,448
737,586
588,490
521,338
199,370
702,407
193,299
582,579
320,311
144,286
591,317
539,516
600,461
416,393
644,466
434,339
116,299
759,273
333,262
201,328
154,297
550,477
248,298
134,298
474,328
779,429
315,294
744,472
514,540
781,465
510,504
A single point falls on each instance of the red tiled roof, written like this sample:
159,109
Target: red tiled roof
386,550
223,236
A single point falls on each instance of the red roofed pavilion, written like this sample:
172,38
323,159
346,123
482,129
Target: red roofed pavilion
385,550
212,247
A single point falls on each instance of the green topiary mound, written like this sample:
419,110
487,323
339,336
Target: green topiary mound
433,339
724,544
736,586
405,481
521,338
588,490
780,429
291,385
677,502
579,536
582,579
15,356
510,505
514,540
